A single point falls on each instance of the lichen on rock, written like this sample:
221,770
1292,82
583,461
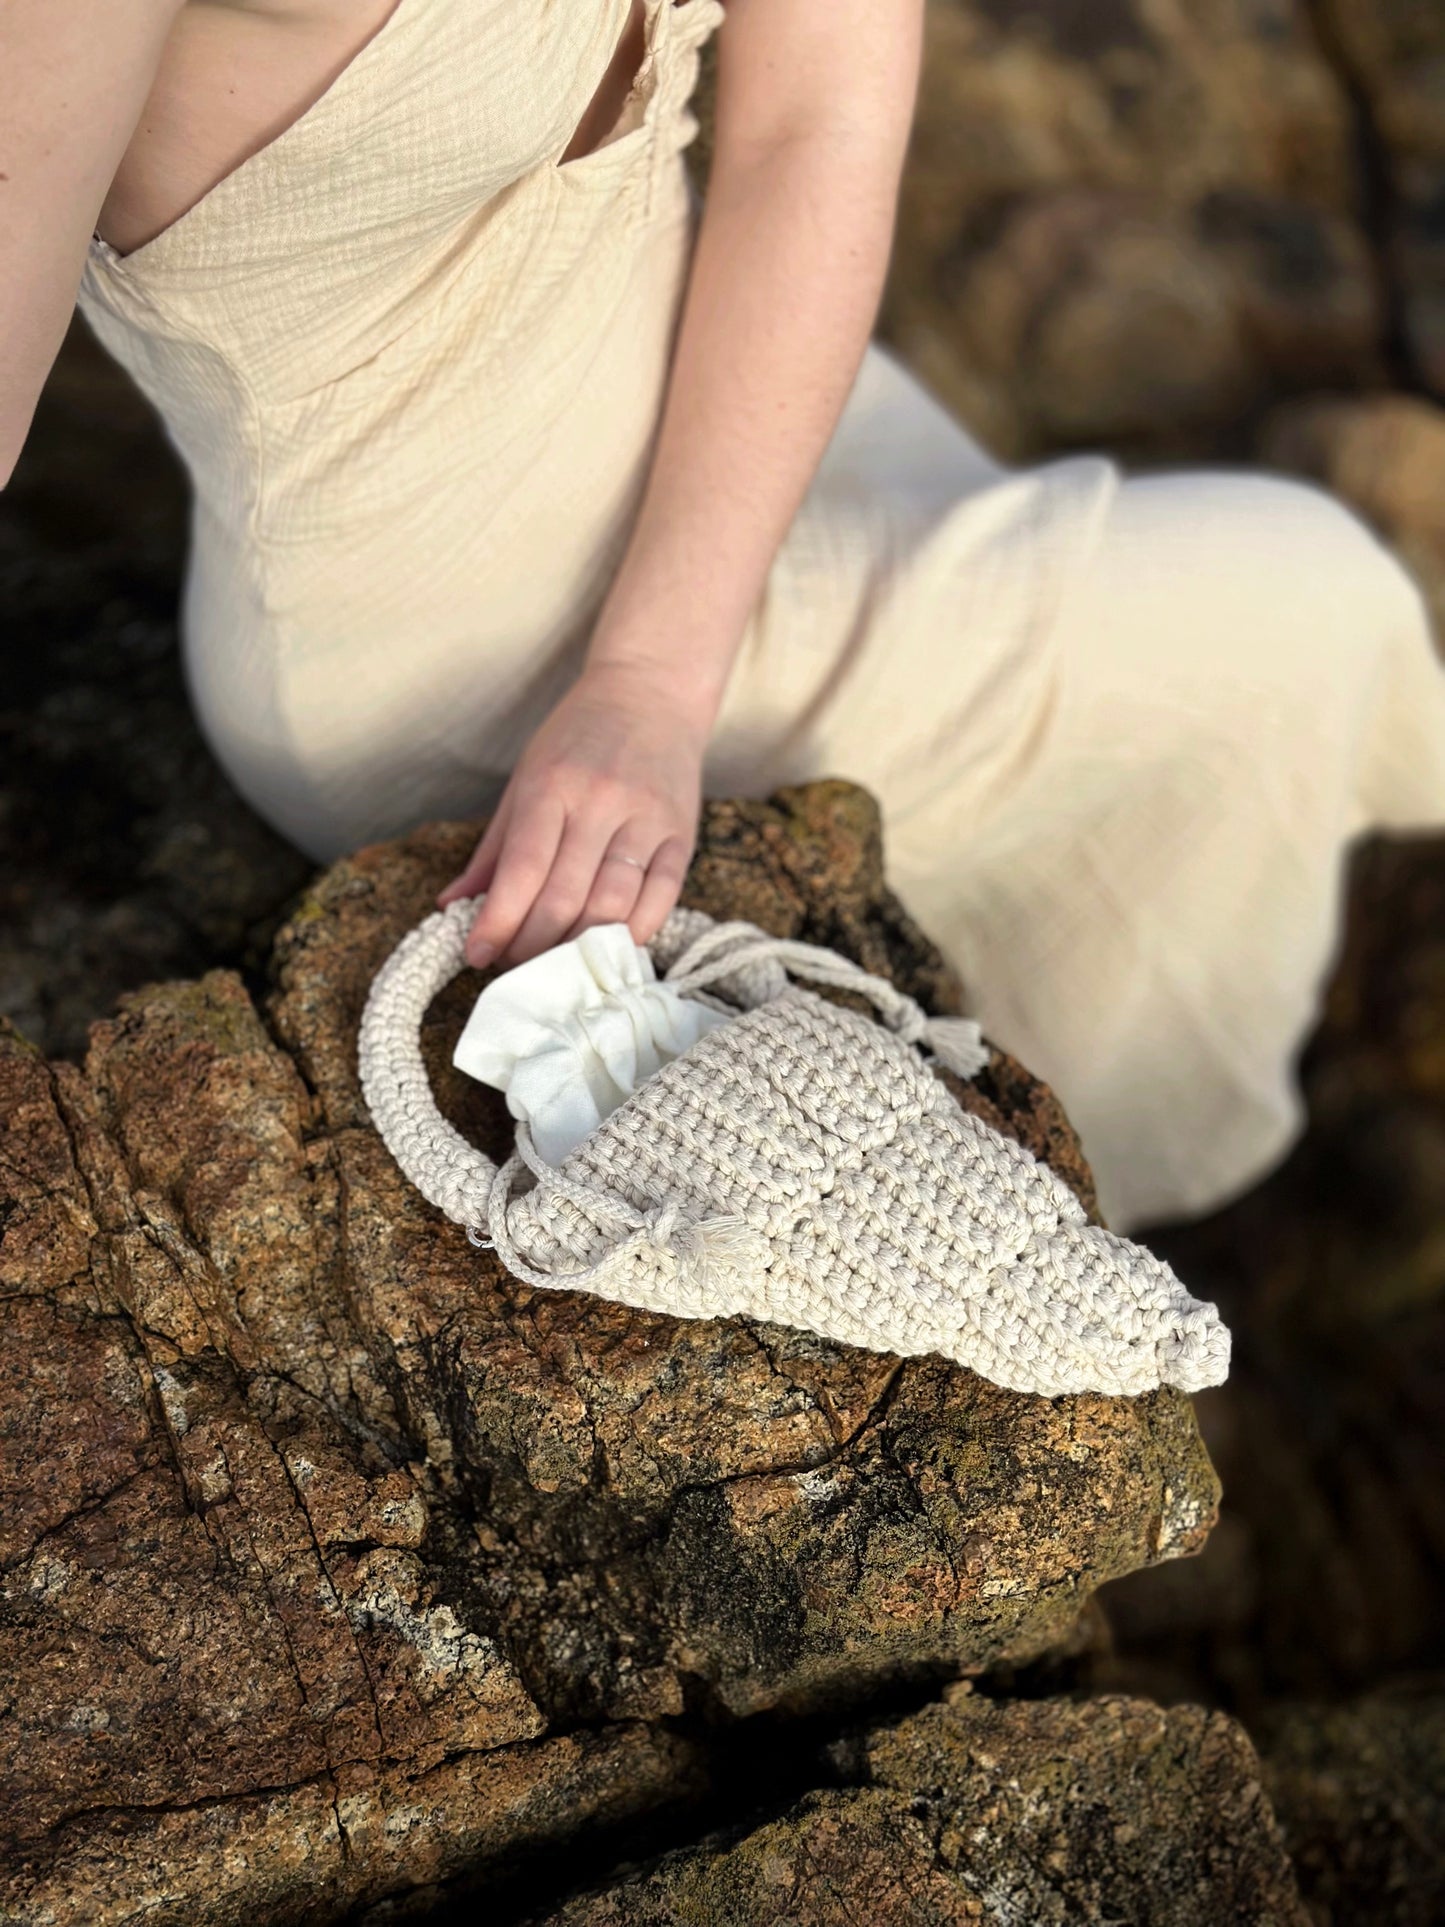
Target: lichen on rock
1037,1811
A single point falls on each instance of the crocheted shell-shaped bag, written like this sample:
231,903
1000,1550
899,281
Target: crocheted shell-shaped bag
800,1163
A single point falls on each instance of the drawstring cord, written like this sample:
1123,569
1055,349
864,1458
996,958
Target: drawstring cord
741,948
691,1248
759,966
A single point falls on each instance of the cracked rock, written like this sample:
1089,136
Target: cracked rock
1043,1812
338,1566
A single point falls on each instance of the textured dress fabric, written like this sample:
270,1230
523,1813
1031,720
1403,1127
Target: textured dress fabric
1121,729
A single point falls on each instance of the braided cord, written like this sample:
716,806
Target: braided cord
743,949
448,1171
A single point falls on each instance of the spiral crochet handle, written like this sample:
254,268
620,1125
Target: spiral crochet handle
448,1171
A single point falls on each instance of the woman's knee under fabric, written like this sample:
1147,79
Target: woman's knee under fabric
1148,919
1273,583
1256,625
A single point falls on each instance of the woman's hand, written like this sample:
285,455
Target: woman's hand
597,823
814,109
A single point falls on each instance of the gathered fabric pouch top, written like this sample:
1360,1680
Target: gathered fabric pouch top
572,1033
700,1133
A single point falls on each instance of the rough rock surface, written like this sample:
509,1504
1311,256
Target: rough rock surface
1126,226
993,1814
1359,1788
1391,54
336,1562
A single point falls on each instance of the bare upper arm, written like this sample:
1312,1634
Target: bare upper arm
790,67
74,78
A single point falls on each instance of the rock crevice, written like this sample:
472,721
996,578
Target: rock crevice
339,1564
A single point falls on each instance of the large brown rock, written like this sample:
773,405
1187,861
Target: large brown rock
1393,55
241,1670
337,1563
1129,224
993,1814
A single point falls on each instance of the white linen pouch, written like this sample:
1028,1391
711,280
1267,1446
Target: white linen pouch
572,1032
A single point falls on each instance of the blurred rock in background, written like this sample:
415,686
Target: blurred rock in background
1390,56
1131,223
1385,454
1176,229
125,855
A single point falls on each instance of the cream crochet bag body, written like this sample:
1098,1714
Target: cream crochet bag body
801,1164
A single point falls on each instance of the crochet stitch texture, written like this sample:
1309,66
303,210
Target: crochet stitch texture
800,1164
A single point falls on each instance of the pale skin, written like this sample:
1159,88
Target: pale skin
598,820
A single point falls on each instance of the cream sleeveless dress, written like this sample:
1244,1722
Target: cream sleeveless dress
1120,729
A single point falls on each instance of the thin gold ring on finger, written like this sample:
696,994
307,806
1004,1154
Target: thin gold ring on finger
617,856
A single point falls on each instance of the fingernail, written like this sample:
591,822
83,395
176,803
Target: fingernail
479,955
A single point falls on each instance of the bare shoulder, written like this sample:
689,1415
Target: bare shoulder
116,118
74,79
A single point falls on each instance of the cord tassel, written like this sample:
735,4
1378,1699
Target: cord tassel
957,1043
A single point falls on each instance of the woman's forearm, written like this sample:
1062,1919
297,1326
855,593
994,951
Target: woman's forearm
787,273
600,814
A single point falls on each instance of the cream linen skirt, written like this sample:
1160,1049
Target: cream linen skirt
1125,814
